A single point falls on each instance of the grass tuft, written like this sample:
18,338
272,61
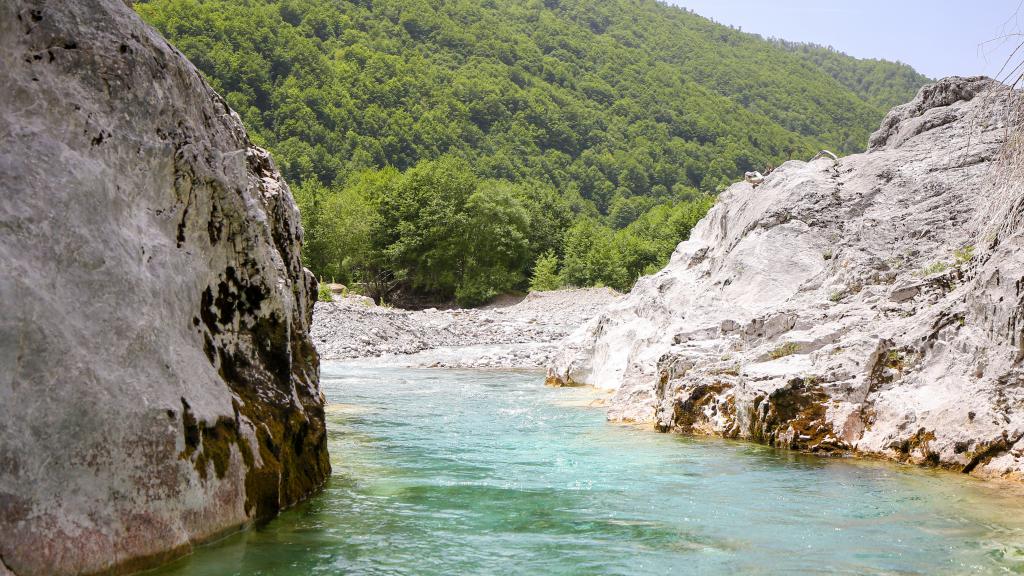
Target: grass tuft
787,349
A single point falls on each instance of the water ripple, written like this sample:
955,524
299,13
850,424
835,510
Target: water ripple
455,472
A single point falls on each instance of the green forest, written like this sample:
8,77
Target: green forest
447,150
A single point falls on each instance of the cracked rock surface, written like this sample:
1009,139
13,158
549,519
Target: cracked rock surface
873,306
158,384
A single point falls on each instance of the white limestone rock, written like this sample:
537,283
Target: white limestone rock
158,383
872,305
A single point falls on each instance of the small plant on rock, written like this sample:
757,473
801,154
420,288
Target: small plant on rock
323,293
895,359
731,370
933,268
787,349
963,255
896,262
837,296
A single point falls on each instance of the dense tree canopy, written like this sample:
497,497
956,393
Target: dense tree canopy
442,147
882,83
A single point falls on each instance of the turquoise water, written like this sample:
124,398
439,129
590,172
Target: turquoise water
439,472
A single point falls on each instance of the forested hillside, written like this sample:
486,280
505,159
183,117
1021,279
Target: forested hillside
444,148
880,82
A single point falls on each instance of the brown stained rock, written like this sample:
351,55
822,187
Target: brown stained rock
556,381
917,448
159,385
986,451
794,417
693,412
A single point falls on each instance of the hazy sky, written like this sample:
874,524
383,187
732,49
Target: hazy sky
937,37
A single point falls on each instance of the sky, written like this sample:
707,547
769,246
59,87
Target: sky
937,37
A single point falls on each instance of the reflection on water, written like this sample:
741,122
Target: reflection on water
439,472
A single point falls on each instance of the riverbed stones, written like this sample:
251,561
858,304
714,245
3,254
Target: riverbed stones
159,386
509,333
872,305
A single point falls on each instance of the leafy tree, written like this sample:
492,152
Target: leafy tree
625,211
496,244
550,213
423,224
348,221
310,197
545,273
591,258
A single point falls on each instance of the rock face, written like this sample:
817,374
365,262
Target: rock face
158,383
874,305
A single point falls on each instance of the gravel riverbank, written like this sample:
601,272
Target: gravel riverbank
503,335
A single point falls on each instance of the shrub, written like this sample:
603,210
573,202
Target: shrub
895,359
963,255
545,273
323,293
787,349
933,268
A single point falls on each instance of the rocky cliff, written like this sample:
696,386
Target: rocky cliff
874,305
158,383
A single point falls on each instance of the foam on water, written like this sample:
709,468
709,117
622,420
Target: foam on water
492,473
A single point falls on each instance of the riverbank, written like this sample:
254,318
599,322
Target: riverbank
507,334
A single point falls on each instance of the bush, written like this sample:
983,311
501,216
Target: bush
933,268
963,255
787,349
545,273
591,257
323,293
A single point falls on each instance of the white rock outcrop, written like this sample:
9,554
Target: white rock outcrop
874,305
158,385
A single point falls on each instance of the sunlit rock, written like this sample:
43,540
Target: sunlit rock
158,384
872,304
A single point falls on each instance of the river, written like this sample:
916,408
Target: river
449,472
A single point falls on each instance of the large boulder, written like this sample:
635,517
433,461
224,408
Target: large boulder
872,305
158,384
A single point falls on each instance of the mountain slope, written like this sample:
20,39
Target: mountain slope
515,86
598,128
879,82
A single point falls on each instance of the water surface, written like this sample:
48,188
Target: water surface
442,472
